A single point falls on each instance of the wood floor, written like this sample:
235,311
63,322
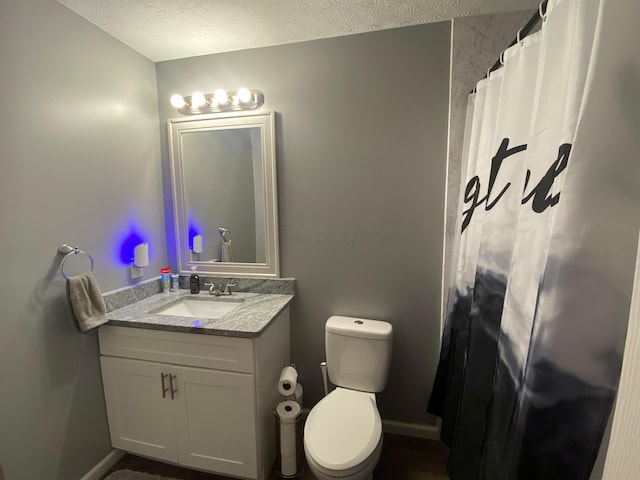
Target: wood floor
403,458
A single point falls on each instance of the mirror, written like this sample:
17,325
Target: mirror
224,194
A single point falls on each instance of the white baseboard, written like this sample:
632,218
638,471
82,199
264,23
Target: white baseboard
103,465
416,430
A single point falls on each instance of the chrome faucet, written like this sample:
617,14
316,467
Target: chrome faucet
227,288
214,289
219,290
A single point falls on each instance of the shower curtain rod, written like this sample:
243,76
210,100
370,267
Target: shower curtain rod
522,33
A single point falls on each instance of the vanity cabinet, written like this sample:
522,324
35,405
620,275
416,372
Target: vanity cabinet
202,401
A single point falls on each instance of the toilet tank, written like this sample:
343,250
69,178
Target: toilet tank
358,353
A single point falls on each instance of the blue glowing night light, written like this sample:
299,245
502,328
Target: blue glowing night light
127,245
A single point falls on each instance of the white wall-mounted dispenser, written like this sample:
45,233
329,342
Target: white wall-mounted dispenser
197,244
140,259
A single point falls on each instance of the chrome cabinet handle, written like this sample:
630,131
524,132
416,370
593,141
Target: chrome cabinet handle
173,390
164,389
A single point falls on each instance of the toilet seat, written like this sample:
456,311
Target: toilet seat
355,472
342,431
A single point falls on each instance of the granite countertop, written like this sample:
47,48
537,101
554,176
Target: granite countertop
252,316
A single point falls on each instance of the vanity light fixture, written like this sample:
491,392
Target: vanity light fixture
220,97
244,95
198,100
177,101
219,101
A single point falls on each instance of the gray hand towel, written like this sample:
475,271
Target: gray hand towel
86,301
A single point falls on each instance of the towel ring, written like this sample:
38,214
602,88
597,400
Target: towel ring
67,251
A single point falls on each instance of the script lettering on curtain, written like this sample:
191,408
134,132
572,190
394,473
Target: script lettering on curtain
541,199
540,193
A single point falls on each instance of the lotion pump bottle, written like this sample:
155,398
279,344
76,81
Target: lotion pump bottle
194,281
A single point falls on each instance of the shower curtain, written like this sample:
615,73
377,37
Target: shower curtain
542,271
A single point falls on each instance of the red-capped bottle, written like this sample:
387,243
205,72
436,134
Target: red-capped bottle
166,279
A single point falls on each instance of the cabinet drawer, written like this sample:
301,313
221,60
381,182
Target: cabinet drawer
190,349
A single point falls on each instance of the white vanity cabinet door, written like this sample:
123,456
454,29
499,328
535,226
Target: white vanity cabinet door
215,421
140,419
220,416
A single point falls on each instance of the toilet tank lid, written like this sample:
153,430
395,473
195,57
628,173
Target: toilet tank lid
359,327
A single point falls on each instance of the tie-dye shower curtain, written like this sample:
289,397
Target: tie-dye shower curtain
543,265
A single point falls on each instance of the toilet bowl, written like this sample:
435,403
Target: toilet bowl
343,436
343,433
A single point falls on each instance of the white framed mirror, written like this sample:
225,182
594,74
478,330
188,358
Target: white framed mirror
223,177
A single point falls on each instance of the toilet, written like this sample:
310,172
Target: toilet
343,432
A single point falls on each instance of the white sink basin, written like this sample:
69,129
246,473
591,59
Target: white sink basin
199,308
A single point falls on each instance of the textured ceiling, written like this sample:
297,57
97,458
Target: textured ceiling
169,29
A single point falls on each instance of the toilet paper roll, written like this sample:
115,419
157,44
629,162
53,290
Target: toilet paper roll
288,465
287,439
288,381
297,396
288,411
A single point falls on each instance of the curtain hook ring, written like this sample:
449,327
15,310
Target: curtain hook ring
543,16
502,58
519,39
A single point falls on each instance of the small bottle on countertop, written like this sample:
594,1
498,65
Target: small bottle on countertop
194,281
175,282
166,279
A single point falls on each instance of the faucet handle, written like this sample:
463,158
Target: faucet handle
213,289
227,287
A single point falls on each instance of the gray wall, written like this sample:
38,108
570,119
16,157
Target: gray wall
80,165
361,156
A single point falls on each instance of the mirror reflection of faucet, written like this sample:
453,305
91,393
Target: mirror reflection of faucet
225,244
219,290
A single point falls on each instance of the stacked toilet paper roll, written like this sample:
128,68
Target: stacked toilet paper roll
297,395
288,385
288,413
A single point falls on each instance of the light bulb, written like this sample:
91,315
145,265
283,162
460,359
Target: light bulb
177,101
220,97
197,100
244,95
